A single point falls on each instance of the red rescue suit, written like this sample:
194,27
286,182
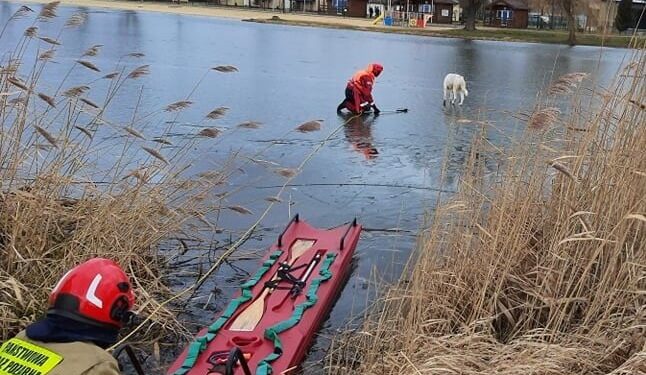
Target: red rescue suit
358,92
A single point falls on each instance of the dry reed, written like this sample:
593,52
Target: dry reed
31,32
217,113
178,106
139,72
286,172
209,132
48,11
58,209
92,51
76,20
155,154
75,91
49,40
89,102
135,132
22,12
225,68
88,65
536,272
49,54
111,75
309,126
249,125
240,210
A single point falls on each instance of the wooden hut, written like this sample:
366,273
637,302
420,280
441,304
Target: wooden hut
508,13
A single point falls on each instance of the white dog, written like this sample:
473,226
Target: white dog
455,84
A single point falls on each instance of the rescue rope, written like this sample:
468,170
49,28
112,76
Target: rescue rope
200,343
239,242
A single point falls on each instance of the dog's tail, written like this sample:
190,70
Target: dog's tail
466,92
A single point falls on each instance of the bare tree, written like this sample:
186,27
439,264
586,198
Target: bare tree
542,6
569,8
470,11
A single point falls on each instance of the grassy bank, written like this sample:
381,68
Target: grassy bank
508,35
76,184
543,36
537,265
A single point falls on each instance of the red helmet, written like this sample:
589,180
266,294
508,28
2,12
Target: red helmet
96,292
375,69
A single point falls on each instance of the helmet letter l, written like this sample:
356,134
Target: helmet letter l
91,292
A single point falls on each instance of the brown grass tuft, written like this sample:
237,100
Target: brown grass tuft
133,131
217,113
111,75
544,118
76,91
178,106
309,126
18,83
84,131
49,40
162,141
567,83
47,99
48,11
240,210
156,154
88,65
225,68
286,172
22,12
50,138
250,125
47,55
139,72
31,31
89,102
563,169
76,20
93,51
209,132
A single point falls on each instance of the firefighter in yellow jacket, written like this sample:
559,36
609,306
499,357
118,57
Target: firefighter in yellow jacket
87,308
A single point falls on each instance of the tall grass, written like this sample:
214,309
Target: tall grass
75,184
538,268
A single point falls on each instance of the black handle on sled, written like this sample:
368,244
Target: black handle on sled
352,225
235,356
280,237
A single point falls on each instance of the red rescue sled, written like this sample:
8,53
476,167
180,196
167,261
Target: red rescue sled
269,327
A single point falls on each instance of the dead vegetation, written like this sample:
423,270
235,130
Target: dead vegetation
75,185
540,271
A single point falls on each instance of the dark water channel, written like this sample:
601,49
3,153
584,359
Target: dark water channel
384,171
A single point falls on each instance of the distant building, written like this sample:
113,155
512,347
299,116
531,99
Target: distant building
507,13
443,12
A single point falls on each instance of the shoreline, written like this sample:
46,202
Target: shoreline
348,23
